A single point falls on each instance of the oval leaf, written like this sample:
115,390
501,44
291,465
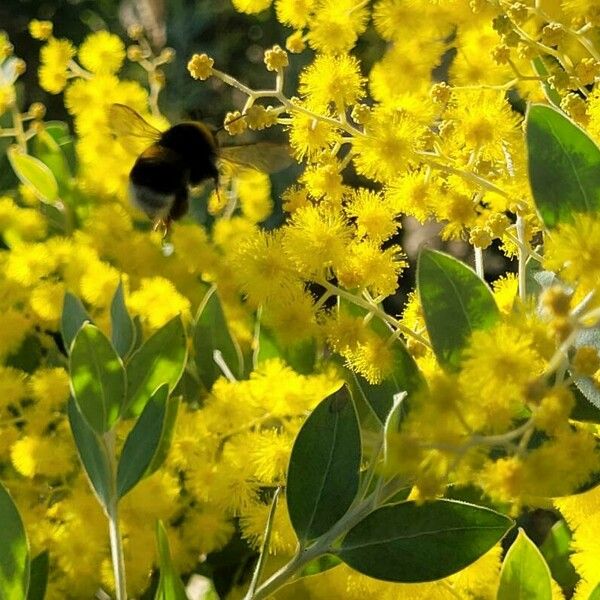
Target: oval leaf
169,584
525,574
455,303
595,595
410,543
123,330
34,174
143,442
92,454
160,359
323,474
14,550
211,333
73,317
556,551
564,166
97,378
46,148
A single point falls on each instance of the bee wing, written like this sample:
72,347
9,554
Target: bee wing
131,129
262,156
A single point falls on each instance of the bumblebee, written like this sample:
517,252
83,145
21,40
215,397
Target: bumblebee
183,156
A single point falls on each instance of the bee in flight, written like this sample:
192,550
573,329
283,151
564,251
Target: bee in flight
184,155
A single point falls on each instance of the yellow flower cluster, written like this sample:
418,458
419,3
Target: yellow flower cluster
451,151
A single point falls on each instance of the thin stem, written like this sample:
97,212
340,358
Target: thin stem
479,261
376,310
18,127
472,177
523,253
116,545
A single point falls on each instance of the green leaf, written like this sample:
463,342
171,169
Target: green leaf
586,385
210,334
34,174
323,473
47,149
525,574
166,435
595,595
300,356
14,550
160,359
123,330
143,442
455,303
38,579
584,410
169,585
564,166
73,317
551,94
92,453
411,543
97,378
556,551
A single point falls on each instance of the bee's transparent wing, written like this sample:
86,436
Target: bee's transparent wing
131,129
262,156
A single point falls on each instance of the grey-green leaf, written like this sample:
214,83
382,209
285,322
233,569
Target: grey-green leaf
34,174
73,317
47,149
323,474
123,330
160,359
143,442
97,378
14,550
38,579
525,574
212,333
169,585
564,166
412,543
92,454
455,303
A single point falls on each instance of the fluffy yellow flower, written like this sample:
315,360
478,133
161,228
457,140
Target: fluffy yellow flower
254,191
315,238
102,52
13,386
573,249
337,25
55,57
388,147
332,79
294,13
375,215
157,301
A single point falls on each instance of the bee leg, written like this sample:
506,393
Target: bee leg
164,225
